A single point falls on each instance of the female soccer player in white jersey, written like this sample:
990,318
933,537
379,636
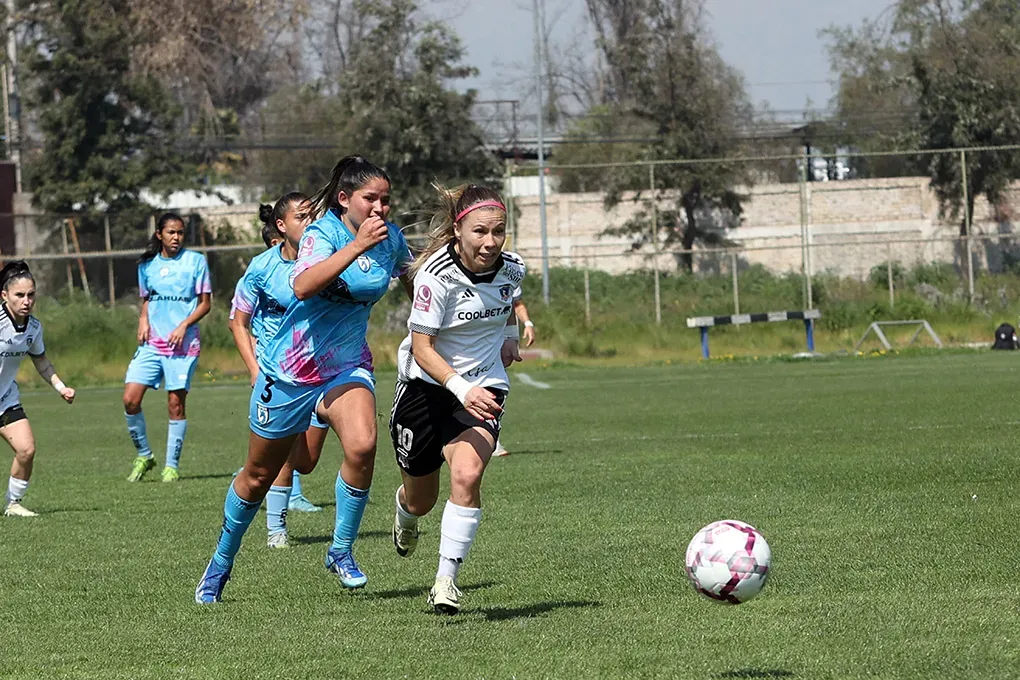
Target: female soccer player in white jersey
451,375
321,364
260,301
176,293
20,334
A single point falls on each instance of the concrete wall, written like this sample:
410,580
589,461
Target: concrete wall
854,214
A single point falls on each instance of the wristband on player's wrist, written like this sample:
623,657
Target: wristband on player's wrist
58,385
458,386
529,324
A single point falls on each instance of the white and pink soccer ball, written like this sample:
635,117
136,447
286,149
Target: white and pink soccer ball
728,561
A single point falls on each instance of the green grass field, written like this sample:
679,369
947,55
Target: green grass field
862,474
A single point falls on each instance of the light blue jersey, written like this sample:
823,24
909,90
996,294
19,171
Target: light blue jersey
324,336
173,286
265,293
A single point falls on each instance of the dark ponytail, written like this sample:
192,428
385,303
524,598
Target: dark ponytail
269,214
13,271
154,245
349,175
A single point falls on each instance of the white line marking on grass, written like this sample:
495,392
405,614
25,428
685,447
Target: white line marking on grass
531,382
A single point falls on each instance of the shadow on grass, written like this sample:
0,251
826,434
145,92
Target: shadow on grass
420,591
327,538
530,611
222,475
756,673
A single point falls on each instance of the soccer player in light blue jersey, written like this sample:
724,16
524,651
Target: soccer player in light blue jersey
176,293
261,299
320,362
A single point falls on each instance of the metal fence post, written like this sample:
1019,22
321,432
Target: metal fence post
736,288
70,276
888,272
109,260
807,246
511,204
802,177
655,244
587,293
967,225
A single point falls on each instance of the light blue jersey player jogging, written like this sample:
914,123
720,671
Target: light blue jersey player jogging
265,293
321,341
172,286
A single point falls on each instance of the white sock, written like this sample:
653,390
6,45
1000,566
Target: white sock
16,489
459,527
405,520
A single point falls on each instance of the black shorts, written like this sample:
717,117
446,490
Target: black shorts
12,415
427,417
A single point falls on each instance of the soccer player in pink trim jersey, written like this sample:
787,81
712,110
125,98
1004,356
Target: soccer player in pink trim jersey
176,293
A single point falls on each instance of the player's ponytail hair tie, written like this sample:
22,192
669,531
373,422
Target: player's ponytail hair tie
476,206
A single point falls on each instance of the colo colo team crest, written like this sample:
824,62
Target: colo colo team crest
505,291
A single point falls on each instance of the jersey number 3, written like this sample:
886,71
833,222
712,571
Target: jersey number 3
267,394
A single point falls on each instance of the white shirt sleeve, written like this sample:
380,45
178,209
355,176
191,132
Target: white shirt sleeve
37,348
429,305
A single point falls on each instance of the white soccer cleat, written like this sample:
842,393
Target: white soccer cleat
16,509
278,540
500,450
404,540
445,596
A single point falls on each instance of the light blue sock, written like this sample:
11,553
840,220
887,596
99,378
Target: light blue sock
136,428
237,515
350,507
175,442
276,509
295,490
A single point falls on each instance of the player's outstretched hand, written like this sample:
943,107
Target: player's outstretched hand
68,394
511,352
480,403
371,232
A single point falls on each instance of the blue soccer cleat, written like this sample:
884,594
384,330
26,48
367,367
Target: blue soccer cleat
210,588
346,569
302,504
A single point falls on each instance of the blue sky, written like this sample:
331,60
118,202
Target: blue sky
774,43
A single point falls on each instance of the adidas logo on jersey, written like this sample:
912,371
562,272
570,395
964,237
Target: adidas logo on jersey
467,294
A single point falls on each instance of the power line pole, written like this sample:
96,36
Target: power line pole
539,39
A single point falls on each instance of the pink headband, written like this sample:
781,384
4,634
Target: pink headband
476,206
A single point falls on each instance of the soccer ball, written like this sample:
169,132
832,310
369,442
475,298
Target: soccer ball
728,561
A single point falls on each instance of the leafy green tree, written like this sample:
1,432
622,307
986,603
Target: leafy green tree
947,70
392,103
666,81
101,133
105,133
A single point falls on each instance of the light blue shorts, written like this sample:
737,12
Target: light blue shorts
150,369
278,409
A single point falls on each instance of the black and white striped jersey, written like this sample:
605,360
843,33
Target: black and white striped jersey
466,313
16,340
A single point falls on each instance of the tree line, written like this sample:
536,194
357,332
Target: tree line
123,96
